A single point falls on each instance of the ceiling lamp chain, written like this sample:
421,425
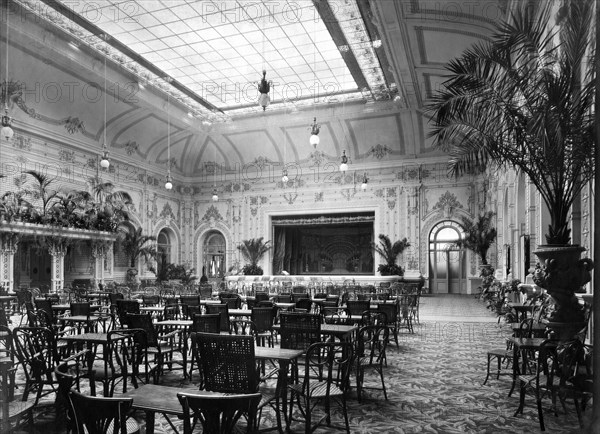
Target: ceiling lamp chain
105,162
215,194
169,181
7,131
284,177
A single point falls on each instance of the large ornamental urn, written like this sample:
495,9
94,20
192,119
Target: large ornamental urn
562,273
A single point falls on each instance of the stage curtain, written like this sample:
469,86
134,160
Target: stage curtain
278,257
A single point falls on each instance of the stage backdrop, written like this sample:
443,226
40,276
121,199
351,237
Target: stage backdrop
335,244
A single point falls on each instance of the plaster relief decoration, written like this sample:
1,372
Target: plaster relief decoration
10,92
413,202
379,151
262,162
212,216
66,156
73,125
131,147
447,204
317,157
319,196
348,193
91,163
20,180
292,183
391,204
152,208
237,187
290,198
57,246
9,242
22,143
167,212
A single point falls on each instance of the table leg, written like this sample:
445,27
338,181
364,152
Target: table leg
149,422
515,367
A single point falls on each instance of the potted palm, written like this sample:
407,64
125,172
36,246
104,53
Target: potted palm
480,234
135,245
252,251
390,252
521,100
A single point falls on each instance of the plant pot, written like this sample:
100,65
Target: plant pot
562,274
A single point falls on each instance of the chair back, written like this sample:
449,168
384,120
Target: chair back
263,318
45,305
95,414
390,310
261,296
205,291
357,307
80,309
223,310
143,321
299,330
150,300
125,351
233,302
228,362
371,345
207,323
125,307
114,296
377,317
219,414
328,365
284,298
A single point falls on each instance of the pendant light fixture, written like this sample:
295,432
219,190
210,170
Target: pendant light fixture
169,182
344,165
105,162
7,131
264,86
314,134
365,181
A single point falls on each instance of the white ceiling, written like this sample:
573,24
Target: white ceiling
375,63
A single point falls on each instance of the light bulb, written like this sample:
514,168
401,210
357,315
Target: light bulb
169,183
215,196
314,140
105,163
7,133
285,178
344,165
363,186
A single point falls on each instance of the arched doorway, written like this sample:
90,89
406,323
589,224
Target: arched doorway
213,254
163,244
447,268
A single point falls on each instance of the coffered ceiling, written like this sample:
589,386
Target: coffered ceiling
182,76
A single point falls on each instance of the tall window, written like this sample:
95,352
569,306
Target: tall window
214,255
163,244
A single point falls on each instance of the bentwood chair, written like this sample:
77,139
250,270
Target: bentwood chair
207,323
370,354
326,380
101,415
12,411
229,366
161,348
219,414
223,310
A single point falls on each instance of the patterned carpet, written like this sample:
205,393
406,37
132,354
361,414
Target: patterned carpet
434,381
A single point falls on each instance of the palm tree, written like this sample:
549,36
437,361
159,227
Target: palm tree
390,252
479,235
521,100
41,190
111,207
135,244
252,251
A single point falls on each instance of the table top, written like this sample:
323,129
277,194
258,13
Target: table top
152,309
68,306
7,297
276,353
529,343
94,338
240,312
284,305
210,301
331,329
175,322
80,318
161,399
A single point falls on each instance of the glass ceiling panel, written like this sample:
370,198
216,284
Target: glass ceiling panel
230,42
